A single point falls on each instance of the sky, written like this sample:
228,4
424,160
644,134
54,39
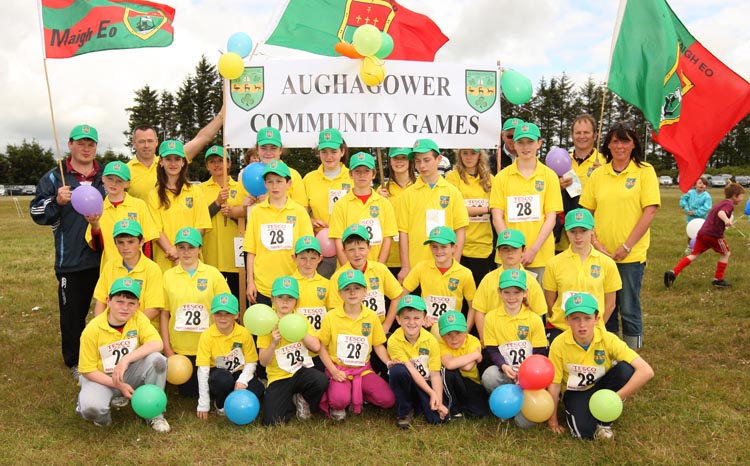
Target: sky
538,38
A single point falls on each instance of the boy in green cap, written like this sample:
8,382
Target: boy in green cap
586,360
313,287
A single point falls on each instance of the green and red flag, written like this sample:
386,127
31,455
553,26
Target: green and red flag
691,99
316,26
75,27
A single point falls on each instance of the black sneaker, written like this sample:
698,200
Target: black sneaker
669,278
721,283
404,422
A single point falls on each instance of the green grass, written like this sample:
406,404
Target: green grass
694,411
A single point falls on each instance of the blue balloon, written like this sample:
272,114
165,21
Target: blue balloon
747,207
242,407
240,43
506,401
252,179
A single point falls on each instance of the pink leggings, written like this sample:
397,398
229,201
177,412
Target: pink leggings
375,391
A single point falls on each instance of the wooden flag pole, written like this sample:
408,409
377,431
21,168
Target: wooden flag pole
601,119
380,166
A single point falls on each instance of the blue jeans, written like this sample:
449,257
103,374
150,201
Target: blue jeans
628,301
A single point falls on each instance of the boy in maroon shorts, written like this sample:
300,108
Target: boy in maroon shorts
711,236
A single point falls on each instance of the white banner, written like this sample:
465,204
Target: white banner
455,105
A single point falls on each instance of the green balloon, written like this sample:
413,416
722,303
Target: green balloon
386,46
367,40
516,87
149,401
293,327
605,405
260,319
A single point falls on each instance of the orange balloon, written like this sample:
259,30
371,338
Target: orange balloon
537,406
179,369
346,50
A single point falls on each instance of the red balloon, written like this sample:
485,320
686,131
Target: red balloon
536,372
327,245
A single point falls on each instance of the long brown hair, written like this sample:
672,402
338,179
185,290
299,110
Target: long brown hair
483,169
161,183
411,171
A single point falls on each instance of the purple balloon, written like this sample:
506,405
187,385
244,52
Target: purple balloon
692,242
87,200
558,160
252,179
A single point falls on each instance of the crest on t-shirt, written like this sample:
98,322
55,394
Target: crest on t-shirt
453,284
444,201
539,185
599,357
202,284
596,270
522,332
366,329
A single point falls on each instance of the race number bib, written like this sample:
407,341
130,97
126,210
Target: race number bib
113,352
484,203
191,317
373,228
352,350
276,236
514,352
439,305
434,218
524,208
313,314
421,364
232,361
375,300
581,377
333,196
292,358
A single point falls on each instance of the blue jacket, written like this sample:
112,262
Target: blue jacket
700,204
72,254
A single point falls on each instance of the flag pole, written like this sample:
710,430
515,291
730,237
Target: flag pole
601,118
380,166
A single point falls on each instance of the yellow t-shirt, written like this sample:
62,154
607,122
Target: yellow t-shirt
349,341
376,215
525,203
424,355
442,292
142,178
131,208
394,197
289,357
471,344
270,234
577,369
566,274
487,297
323,192
189,209
479,232
422,208
230,352
188,301
617,201
218,242
102,346
583,171
514,336
313,296
380,284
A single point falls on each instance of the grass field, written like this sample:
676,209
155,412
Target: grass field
694,411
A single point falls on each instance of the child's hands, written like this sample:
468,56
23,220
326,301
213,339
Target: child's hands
338,375
249,200
276,335
172,254
429,321
93,221
240,386
221,199
317,223
125,389
203,415
554,426
509,372
252,292
384,192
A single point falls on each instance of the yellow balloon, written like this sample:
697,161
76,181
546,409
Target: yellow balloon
538,405
231,65
372,71
179,369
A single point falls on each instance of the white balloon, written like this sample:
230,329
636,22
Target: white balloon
693,226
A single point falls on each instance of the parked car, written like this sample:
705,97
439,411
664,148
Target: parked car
744,180
717,181
665,180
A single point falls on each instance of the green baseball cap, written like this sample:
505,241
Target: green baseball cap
527,130
126,284
216,150
355,229
396,151
307,243
225,302
351,276
510,237
127,227
330,139
361,159
171,147
189,235
581,302
118,169
451,321
512,277
511,123
285,285
441,235
579,218
84,132
411,301
424,145
277,167
268,135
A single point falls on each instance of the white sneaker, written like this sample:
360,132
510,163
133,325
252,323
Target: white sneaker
338,414
119,402
604,433
103,423
219,411
160,425
303,408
